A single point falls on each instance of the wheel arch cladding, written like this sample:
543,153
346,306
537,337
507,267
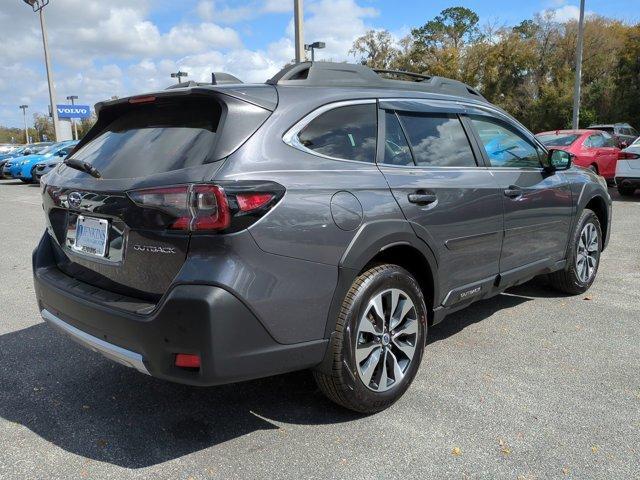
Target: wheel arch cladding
598,206
392,241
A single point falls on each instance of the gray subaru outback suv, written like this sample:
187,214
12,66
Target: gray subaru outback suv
209,234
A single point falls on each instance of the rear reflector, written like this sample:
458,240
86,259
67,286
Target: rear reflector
187,360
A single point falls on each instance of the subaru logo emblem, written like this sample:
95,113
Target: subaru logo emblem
75,199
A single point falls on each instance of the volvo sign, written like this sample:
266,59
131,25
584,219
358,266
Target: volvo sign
73,111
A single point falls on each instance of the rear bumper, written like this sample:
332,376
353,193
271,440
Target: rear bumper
628,181
197,319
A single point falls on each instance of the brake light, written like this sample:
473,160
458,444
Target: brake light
145,99
629,156
204,207
193,207
252,201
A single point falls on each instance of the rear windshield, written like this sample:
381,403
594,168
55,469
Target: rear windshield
155,138
604,129
557,139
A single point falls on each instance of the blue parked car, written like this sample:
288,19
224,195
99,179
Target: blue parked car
23,168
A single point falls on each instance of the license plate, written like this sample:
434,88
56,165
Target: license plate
91,236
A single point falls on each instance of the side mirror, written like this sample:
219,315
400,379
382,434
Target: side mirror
61,153
558,160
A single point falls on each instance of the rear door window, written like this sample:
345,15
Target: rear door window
346,133
396,148
437,140
596,141
155,138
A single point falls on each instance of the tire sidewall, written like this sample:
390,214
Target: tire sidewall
391,277
587,217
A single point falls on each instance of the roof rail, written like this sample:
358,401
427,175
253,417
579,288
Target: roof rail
330,74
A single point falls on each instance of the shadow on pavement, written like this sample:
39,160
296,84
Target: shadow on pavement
92,407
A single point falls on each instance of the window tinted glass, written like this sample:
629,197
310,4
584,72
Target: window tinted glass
596,141
396,148
505,147
155,138
344,132
609,141
557,139
438,140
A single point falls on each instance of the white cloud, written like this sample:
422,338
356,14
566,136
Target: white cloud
101,49
566,13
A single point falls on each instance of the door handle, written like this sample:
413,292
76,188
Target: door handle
422,198
513,192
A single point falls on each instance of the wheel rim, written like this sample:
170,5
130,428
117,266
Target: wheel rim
386,340
587,253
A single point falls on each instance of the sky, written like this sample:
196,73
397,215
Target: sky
122,47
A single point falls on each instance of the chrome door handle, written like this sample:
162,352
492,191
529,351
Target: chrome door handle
513,192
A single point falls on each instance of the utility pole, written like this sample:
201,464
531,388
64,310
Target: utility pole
26,130
298,21
576,87
38,6
73,120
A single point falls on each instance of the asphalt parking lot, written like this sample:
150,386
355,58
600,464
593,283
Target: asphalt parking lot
527,385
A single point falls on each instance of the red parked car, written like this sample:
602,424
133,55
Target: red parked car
593,149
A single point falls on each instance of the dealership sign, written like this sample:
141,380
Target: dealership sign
73,111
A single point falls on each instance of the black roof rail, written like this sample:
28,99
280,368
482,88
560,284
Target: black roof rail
330,74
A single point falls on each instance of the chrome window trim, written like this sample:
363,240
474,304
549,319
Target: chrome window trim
291,136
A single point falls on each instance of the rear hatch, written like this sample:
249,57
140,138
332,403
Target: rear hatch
122,218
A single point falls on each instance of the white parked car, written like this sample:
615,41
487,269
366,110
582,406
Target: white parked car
628,169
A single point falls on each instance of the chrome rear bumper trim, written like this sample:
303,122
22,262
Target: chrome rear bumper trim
112,352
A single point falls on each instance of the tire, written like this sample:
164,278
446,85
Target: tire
24,180
593,168
355,335
33,176
626,191
573,279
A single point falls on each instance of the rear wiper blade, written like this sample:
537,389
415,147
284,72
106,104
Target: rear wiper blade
83,167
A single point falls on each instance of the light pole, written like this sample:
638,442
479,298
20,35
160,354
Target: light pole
576,87
37,6
313,47
297,21
179,74
24,115
73,120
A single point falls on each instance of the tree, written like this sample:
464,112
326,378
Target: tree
44,127
450,29
375,49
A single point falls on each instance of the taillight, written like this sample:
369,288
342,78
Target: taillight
629,156
252,201
206,207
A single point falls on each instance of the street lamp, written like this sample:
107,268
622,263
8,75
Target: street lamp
179,74
73,120
24,115
37,6
312,47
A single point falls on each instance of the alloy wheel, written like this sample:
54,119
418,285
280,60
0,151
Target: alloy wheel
587,253
386,339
